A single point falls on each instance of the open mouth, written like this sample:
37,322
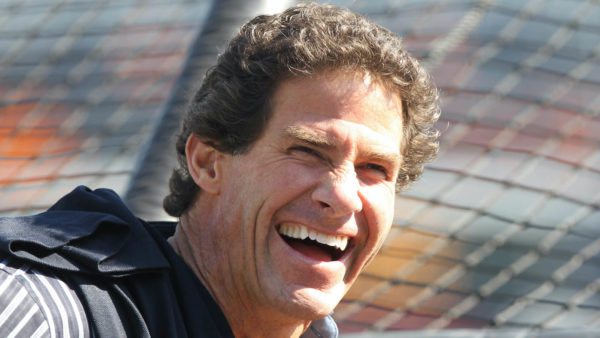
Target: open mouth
313,244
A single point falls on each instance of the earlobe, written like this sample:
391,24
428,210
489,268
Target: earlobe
203,164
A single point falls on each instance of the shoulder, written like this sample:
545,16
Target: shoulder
35,302
86,231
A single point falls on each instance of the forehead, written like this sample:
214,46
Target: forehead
351,97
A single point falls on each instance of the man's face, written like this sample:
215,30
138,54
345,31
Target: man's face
309,205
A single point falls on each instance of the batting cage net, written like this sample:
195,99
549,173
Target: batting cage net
501,236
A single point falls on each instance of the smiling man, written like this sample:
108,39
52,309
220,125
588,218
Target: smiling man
290,155
298,215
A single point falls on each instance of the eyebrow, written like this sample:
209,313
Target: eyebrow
322,140
310,137
391,158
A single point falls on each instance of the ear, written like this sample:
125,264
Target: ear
203,163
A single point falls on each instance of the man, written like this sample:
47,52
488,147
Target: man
290,156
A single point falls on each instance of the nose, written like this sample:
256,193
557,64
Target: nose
338,193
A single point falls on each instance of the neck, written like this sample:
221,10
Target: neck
246,318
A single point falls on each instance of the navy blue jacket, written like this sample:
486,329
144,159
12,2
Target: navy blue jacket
130,281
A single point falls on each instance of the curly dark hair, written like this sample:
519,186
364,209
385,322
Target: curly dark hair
232,106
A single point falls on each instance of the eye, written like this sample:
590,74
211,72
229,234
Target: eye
305,150
375,170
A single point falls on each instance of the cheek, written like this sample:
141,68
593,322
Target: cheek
292,177
380,213
381,201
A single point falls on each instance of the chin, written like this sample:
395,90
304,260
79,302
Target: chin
313,304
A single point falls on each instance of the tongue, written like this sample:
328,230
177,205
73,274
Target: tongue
312,251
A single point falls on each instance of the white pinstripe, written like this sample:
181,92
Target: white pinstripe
40,331
13,305
45,309
9,278
59,304
6,283
23,321
78,319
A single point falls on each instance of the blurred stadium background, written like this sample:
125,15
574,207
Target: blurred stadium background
500,238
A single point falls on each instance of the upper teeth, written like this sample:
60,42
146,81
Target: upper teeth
301,232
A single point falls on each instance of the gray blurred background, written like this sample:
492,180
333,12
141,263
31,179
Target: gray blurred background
500,238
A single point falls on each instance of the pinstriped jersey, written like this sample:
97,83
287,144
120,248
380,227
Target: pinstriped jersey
36,303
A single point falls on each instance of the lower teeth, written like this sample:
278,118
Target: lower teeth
334,253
